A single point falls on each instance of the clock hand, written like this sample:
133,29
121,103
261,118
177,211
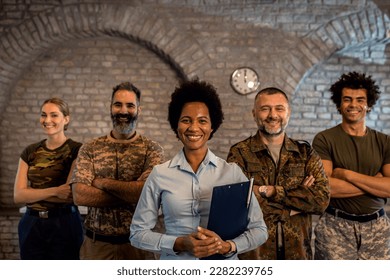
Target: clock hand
244,76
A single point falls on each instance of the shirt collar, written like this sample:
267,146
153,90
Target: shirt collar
257,144
125,141
180,160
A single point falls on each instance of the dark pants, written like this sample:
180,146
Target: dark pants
54,238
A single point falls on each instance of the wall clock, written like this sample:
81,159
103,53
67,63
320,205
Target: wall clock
245,80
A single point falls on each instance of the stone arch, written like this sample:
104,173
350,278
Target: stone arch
353,30
342,33
24,43
366,26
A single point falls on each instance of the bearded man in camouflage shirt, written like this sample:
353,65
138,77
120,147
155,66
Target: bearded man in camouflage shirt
290,182
109,175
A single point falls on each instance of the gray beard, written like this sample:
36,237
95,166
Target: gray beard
265,132
125,128
271,134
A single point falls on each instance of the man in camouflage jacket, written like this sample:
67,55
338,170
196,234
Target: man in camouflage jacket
290,182
109,176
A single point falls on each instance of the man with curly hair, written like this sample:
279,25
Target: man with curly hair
356,159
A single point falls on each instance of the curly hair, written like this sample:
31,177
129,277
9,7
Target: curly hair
354,80
195,91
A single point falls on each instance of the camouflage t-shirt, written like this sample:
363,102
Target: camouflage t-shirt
124,160
48,168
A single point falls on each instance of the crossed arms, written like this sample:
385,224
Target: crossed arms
105,192
347,183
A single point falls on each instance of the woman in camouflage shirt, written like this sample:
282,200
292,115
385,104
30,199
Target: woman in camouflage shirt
51,227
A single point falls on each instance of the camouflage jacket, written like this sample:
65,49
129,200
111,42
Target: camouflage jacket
293,203
124,160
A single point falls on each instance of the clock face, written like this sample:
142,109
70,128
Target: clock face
245,80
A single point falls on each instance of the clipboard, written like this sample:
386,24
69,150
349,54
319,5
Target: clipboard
229,209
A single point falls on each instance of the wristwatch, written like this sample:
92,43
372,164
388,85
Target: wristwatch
264,193
233,249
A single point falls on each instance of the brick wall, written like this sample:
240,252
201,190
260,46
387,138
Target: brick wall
9,246
79,50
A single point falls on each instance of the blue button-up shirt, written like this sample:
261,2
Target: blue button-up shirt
184,198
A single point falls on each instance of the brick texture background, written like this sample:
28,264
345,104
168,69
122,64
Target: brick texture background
79,50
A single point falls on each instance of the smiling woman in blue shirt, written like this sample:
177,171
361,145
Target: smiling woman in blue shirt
182,187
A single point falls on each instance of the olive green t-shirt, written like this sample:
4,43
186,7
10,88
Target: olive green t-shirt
363,154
